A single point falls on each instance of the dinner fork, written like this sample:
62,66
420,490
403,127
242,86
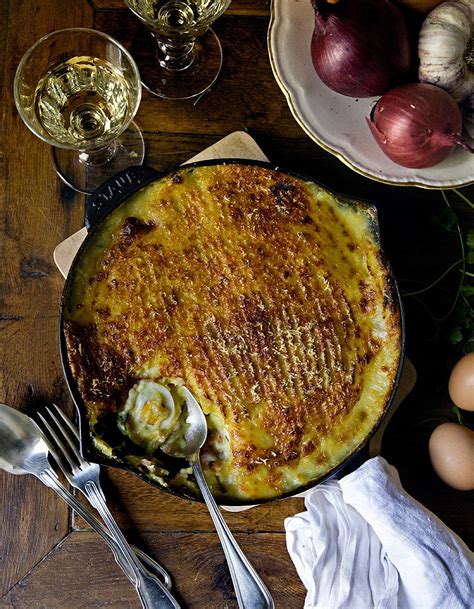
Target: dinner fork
85,476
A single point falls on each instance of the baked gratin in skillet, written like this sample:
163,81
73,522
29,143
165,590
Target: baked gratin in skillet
266,296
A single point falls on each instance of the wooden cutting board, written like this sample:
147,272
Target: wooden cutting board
239,145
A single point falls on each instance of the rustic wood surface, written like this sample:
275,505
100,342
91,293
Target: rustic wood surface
49,559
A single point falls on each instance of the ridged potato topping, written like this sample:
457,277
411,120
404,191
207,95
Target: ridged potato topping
266,296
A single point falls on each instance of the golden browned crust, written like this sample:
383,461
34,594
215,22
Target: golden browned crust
265,295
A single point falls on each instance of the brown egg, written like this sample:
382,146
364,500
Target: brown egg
451,449
461,383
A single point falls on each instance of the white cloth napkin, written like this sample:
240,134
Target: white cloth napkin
365,543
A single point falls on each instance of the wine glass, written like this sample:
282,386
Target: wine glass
179,56
79,90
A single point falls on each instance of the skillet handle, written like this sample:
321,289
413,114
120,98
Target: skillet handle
115,190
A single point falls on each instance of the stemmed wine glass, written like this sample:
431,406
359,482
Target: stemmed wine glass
179,56
79,89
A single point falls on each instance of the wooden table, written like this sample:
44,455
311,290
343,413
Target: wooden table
48,557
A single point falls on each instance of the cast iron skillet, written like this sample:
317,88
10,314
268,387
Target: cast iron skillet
109,196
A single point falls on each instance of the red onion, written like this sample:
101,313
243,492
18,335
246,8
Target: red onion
360,48
467,112
417,125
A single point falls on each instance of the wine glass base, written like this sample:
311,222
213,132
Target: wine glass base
86,177
178,84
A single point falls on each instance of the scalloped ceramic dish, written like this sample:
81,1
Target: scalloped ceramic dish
336,122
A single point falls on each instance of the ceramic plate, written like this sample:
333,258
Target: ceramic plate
336,122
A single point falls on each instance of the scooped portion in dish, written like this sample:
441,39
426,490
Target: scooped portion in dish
150,415
266,296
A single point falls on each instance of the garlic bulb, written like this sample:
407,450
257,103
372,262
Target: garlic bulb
445,48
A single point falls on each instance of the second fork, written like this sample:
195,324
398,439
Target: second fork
84,476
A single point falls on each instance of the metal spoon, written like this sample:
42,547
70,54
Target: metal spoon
250,590
24,450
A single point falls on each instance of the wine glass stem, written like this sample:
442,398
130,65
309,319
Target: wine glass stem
98,156
175,56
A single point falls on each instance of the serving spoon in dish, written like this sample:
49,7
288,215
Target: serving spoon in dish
24,449
250,590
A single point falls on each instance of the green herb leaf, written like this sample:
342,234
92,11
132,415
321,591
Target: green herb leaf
457,413
455,336
446,218
470,239
468,347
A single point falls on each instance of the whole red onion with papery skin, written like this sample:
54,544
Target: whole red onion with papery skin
360,48
417,125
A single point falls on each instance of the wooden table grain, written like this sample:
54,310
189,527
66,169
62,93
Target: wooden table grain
49,558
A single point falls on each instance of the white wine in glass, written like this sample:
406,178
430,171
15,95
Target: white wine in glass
179,56
79,90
